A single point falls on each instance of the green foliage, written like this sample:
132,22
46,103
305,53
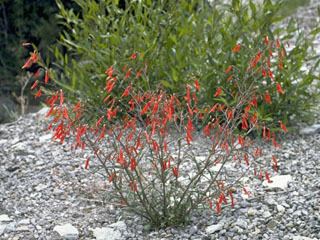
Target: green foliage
180,41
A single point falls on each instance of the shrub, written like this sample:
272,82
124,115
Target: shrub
181,41
144,141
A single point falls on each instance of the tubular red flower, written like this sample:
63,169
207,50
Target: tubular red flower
283,127
197,85
228,69
236,48
279,88
46,77
218,92
34,85
267,97
175,171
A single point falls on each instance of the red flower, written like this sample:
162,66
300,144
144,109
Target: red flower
126,91
283,127
38,94
32,59
196,85
128,74
236,48
175,171
61,97
267,97
120,159
86,163
274,163
279,88
109,71
34,85
133,164
244,123
266,40
46,77
133,56
228,69
268,177
246,159
218,92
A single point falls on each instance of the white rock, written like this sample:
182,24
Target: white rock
280,181
251,212
266,214
106,233
67,231
2,228
42,111
213,228
120,225
40,187
310,130
301,238
45,138
23,228
281,209
5,218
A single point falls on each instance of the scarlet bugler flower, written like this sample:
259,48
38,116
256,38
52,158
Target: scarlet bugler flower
283,127
236,48
267,97
279,88
197,85
218,92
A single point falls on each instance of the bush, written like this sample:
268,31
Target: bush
181,41
144,141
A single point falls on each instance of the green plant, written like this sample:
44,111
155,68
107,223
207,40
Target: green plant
181,41
145,141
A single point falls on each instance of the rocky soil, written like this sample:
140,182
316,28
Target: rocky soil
47,194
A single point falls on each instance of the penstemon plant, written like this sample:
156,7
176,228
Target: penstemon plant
147,142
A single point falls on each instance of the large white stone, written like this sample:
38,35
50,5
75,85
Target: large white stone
5,218
301,238
2,228
311,129
214,228
280,181
106,233
120,225
67,231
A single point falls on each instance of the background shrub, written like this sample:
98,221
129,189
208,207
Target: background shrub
181,41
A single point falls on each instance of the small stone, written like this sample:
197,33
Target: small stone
281,209
280,181
213,228
67,231
241,223
106,233
272,224
23,228
24,221
120,225
251,212
40,187
266,214
193,230
5,218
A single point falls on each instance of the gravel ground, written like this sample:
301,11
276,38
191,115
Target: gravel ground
45,189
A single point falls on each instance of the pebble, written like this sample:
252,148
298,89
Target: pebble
213,228
67,231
